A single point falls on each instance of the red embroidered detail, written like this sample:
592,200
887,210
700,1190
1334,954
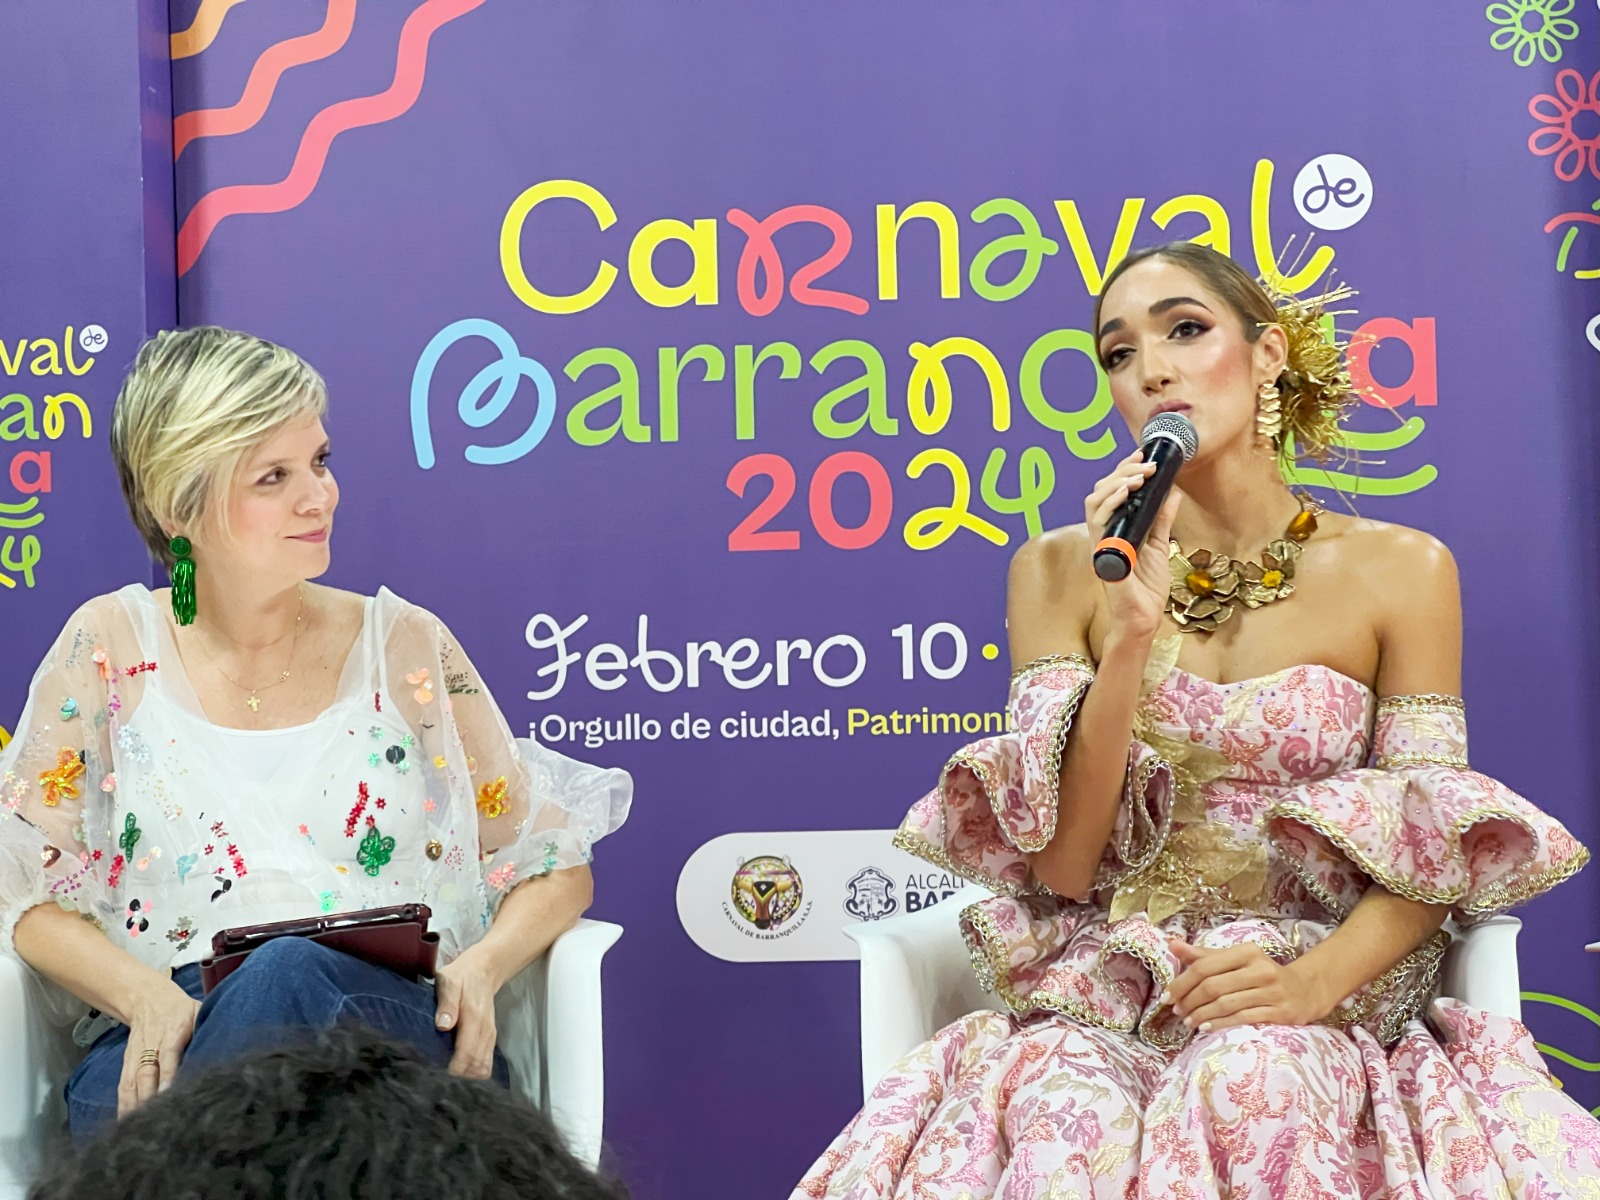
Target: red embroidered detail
351,821
140,668
117,864
380,802
377,701
209,849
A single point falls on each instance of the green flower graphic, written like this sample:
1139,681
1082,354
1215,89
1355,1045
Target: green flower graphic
1533,27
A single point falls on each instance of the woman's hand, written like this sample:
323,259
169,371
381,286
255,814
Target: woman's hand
1135,604
465,989
161,1020
1242,986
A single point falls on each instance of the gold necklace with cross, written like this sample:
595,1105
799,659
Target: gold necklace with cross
254,699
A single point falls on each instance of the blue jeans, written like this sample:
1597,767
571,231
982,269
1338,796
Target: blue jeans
287,987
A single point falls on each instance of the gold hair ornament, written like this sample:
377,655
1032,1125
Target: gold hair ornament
1314,392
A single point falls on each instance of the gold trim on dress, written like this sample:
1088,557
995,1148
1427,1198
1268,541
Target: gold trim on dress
986,947
1391,762
911,843
1501,895
1052,660
1408,1004
1194,861
1296,811
1134,788
1422,702
1161,976
1060,727
1313,885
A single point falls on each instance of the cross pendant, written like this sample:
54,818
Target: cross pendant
254,702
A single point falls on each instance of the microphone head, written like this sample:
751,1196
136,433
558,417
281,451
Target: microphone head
1175,427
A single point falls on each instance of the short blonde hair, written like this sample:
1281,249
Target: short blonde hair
194,405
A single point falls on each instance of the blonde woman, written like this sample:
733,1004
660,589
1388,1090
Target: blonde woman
1225,835
252,747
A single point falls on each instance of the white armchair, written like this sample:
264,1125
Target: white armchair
916,977
549,1018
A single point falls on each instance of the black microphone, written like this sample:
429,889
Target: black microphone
1169,440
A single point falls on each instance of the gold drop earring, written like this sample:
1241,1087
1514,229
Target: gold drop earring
1269,411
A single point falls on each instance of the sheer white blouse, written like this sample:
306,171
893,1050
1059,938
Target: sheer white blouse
120,800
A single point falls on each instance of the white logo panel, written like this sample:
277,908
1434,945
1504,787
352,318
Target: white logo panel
787,897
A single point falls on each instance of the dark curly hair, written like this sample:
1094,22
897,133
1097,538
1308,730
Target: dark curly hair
345,1114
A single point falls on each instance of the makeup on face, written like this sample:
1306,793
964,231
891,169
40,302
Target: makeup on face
1167,346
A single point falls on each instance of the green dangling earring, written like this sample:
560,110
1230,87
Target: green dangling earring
182,581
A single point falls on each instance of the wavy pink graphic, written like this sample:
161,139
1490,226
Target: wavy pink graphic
411,61
1556,222
264,76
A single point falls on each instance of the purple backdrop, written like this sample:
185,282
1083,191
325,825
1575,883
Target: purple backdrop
741,1071
86,231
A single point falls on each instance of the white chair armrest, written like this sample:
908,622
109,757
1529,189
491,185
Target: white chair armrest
35,1058
1480,968
575,1039
916,977
551,1032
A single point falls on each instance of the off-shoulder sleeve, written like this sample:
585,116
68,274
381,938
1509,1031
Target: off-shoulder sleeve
58,758
537,810
997,799
1423,824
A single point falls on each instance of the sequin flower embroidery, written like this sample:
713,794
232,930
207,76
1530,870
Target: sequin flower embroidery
1532,28
18,789
500,877
492,801
62,783
375,851
1575,149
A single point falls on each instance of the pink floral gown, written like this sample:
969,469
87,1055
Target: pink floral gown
1256,811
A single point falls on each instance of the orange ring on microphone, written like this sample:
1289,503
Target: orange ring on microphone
1126,547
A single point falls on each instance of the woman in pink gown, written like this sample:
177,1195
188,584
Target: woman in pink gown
1219,906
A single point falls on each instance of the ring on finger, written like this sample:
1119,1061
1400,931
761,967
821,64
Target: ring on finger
150,1058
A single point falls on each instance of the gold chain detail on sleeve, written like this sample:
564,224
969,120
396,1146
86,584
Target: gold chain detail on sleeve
1422,702
1498,897
1319,893
1426,959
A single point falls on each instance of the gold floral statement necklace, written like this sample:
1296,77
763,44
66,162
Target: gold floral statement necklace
1207,588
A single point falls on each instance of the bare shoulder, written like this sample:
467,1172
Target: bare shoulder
1048,606
1388,544
1052,558
1408,566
